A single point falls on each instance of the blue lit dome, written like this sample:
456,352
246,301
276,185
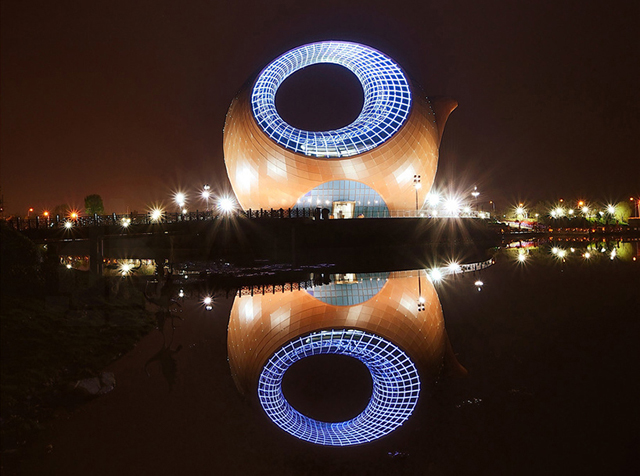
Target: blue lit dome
387,100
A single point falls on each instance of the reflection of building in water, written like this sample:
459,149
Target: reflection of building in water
384,161
393,323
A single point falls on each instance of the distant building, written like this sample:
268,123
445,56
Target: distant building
370,167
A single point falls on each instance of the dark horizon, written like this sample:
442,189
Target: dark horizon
129,103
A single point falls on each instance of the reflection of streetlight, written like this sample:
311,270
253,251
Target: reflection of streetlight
417,185
208,303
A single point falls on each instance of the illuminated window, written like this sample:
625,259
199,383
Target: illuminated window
396,387
346,190
387,100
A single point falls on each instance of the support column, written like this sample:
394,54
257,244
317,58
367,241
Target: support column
96,254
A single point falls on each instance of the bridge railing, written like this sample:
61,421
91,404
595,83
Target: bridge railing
128,219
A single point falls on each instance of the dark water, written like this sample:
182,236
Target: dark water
549,344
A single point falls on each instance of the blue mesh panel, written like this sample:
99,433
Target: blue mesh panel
396,387
387,99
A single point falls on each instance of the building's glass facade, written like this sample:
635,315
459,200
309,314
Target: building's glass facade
367,202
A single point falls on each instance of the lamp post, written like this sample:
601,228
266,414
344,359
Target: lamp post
417,185
206,193
475,194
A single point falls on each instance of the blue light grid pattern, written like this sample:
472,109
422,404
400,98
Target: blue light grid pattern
350,294
368,202
396,387
387,99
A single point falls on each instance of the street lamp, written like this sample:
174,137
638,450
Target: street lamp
206,193
475,194
180,199
417,185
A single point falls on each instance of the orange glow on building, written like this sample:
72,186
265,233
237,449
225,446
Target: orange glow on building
265,174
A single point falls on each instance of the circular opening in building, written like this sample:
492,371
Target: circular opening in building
320,97
328,387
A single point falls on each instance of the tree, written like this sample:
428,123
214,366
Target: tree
93,205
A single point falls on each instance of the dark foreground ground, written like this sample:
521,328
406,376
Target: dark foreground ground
552,388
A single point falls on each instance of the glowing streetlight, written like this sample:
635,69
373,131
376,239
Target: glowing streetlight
156,214
180,199
454,267
68,224
452,206
478,284
475,194
125,268
208,303
587,255
435,275
125,222
433,199
611,209
225,204
206,194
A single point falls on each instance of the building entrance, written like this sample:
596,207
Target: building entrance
343,209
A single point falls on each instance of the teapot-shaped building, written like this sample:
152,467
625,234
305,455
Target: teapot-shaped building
385,161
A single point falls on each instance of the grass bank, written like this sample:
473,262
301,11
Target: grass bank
49,339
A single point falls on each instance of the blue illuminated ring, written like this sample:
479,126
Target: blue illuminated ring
396,387
387,99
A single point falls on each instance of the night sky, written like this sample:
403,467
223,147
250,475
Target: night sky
127,99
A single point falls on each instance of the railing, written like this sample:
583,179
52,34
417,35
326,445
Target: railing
126,220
